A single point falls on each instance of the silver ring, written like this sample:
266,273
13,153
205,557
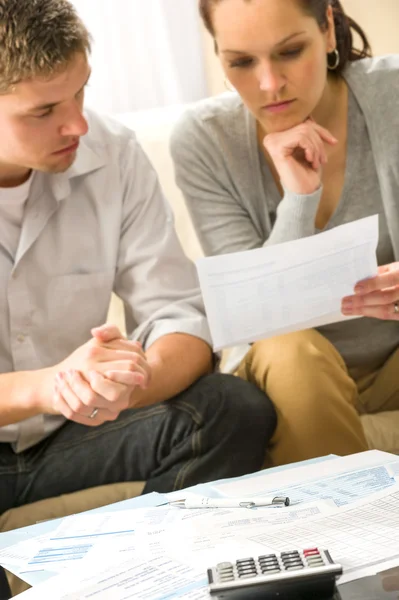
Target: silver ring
94,413
396,308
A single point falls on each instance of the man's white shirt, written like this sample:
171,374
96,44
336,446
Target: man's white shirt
102,226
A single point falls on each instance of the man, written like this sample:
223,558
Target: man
82,215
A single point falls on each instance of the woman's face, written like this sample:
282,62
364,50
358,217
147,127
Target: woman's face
275,56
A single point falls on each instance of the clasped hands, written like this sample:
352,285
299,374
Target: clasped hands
96,382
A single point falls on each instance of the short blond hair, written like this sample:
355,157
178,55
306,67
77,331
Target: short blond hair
38,38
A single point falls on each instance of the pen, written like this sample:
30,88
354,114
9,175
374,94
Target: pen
202,502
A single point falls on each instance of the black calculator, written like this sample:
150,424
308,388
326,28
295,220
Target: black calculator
308,574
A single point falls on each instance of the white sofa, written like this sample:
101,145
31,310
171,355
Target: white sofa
153,128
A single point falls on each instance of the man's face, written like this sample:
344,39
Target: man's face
41,122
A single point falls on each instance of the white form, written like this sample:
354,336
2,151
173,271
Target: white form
312,477
188,548
224,534
19,554
296,285
44,555
78,536
342,489
74,539
214,536
229,521
138,578
361,536
94,525
81,537
342,479
83,526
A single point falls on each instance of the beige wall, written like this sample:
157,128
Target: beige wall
214,73
379,19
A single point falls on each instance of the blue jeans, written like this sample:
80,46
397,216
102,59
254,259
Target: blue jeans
5,592
219,427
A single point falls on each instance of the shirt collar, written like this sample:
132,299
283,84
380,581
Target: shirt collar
88,159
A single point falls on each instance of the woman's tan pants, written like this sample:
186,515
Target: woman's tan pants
317,400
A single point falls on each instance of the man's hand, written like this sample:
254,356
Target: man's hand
109,336
95,383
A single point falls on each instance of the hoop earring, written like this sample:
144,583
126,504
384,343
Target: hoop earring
336,57
228,85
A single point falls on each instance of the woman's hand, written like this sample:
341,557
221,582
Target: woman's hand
376,297
299,154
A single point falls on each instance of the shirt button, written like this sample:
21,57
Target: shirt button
21,338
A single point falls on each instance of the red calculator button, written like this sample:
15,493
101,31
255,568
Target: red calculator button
310,551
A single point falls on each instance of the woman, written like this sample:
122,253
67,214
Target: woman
309,141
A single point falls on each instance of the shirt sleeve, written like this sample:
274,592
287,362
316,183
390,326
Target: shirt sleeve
156,281
296,216
223,224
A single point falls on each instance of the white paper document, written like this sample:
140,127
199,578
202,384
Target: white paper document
216,533
363,536
342,489
296,285
342,479
81,527
79,537
224,535
138,578
43,554
72,541
169,574
17,555
82,538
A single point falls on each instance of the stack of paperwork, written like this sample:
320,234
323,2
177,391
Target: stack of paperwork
349,505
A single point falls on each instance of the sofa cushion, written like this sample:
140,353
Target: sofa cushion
382,430
68,504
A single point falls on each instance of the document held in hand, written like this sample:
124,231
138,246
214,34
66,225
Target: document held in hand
296,285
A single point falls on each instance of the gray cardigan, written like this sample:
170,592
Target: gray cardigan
217,165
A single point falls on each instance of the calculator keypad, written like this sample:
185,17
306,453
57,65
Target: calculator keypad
313,557
313,569
270,564
292,561
225,571
246,568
